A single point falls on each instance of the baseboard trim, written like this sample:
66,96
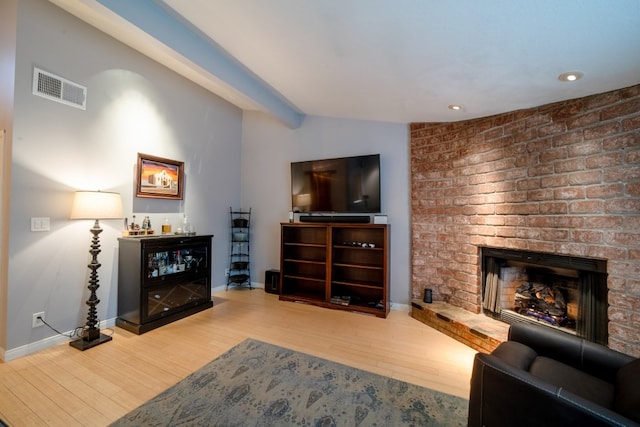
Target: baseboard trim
254,285
400,307
24,350
16,353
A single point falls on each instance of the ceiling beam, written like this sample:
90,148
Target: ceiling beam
179,46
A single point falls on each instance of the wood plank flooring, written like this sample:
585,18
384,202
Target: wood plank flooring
61,386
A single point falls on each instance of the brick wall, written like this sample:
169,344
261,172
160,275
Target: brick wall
562,178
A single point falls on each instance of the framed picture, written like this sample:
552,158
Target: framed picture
159,178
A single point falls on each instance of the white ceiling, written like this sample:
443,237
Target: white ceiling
394,60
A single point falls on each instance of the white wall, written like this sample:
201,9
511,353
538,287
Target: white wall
268,148
8,12
133,105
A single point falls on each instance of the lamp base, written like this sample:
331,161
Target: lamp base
82,344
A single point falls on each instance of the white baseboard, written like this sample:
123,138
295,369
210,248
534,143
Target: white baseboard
34,347
400,307
254,285
393,305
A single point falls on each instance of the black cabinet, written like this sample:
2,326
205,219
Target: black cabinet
162,279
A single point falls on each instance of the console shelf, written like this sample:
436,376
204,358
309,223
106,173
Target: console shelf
162,279
336,265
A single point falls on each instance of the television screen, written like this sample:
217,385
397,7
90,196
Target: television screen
342,185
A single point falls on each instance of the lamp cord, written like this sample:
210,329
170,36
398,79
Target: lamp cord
77,332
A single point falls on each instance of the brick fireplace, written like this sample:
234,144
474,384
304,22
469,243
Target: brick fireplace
564,292
558,179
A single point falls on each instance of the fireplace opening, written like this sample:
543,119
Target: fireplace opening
563,292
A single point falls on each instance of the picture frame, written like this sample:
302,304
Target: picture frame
159,178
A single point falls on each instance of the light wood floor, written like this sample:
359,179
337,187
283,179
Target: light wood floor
61,386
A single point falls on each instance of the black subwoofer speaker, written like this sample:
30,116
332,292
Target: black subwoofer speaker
272,281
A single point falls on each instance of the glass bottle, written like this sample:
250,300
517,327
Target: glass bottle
166,227
186,227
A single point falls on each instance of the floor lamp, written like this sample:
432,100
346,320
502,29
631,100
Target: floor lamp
94,205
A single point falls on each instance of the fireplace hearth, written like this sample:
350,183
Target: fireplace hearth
564,292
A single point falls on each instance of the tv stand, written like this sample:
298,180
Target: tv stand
339,266
344,219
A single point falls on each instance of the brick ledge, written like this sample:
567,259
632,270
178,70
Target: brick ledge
474,330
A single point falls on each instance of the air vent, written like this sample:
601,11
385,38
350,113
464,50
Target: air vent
58,89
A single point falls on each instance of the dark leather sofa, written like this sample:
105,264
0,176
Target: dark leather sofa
544,377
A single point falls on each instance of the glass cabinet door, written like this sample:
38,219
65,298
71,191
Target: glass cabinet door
188,259
162,300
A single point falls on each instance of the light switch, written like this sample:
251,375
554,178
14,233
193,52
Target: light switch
40,224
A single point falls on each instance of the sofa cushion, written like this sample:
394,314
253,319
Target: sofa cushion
574,380
515,354
627,394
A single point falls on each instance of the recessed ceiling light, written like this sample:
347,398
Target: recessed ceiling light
570,76
455,107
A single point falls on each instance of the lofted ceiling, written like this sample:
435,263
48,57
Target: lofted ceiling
384,60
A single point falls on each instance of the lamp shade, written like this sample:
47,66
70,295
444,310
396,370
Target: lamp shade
303,200
96,205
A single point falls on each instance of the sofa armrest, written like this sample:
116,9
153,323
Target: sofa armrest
502,394
594,359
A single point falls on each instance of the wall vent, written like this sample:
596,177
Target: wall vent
58,89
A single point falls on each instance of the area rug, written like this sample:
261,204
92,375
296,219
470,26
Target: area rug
259,384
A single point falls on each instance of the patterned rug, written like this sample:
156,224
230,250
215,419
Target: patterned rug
259,384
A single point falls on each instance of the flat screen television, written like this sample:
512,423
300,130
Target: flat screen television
341,185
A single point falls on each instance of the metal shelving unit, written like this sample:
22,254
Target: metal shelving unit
239,267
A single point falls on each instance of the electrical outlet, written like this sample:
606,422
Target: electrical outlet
36,320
